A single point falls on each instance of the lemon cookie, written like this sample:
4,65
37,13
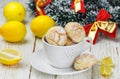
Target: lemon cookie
56,36
84,61
75,31
69,42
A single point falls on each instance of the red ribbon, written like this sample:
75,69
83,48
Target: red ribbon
40,10
103,15
39,7
82,6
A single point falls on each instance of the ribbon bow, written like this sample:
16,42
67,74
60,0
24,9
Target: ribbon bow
39,6
101,25
78,6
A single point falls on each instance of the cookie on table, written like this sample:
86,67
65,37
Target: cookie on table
84,61
75,31
56,36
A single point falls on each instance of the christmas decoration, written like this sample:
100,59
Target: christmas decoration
61,12
39,6
101,25
78,6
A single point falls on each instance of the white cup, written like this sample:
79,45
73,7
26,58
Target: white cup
63,56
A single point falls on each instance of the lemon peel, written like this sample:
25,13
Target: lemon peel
105,70
107,61
106,66
9,56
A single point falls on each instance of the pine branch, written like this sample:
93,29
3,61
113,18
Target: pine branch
61,12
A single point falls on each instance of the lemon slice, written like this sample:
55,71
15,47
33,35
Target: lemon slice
105,70
9,56
107,61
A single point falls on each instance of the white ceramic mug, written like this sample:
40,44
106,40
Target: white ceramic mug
63,56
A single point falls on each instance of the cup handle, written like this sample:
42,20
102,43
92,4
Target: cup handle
87,52
87,42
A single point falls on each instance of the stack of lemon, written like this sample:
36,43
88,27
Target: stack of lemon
106,66
12,31
15,31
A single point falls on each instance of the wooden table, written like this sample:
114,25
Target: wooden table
23,70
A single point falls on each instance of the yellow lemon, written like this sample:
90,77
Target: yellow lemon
13,31
40,25
9,56
105,70
14,11
107,61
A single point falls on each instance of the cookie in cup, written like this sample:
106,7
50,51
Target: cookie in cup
62,48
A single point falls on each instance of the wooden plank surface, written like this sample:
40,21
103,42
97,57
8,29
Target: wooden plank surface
107,47
23,70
